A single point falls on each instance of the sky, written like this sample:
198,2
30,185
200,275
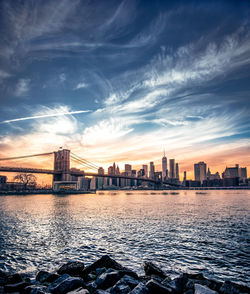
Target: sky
125,80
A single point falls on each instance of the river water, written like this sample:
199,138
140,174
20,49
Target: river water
182,231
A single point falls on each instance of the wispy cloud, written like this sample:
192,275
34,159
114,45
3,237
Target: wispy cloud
4,74
45,116
62,77
22,87
81,86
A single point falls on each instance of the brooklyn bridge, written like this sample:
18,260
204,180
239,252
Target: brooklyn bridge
63,173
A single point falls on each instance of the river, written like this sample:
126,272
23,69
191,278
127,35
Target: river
180,231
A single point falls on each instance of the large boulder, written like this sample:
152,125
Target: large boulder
140,289
105,261
3,277
229,287
68,285
72,268
18,287
178,284
35,289
57,282
128,273
100,270
120,288
130,281
156,287
200,289
46,277
14,279
91,286
107,279
151,269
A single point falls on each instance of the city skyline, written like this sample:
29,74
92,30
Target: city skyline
169,169
120,81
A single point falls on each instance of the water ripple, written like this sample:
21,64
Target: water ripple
182,231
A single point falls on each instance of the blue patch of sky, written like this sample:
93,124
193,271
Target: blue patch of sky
110,60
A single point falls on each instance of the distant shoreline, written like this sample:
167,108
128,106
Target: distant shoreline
37,192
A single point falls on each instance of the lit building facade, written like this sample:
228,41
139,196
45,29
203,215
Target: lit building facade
164,167
145,168
152,170
200,171
172,174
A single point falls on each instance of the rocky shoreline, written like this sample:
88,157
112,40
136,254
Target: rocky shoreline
107,276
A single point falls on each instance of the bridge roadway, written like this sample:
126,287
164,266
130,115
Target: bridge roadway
79,174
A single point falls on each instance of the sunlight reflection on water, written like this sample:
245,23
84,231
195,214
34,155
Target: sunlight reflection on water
181,231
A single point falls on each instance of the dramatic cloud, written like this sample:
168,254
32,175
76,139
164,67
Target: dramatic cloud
121,81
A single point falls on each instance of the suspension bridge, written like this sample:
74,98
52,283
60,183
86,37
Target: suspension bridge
63,173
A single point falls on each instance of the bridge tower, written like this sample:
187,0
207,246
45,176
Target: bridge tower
62,165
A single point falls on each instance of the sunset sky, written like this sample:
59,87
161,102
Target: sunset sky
123,80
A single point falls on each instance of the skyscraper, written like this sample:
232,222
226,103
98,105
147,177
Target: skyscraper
172,173
152,170
145,168
164,166
101,171
128,169
177,171
243,173
200,171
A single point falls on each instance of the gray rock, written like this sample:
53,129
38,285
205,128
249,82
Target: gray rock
107,279
35,289
178,284
190,285
79,291
3,278
152,269
91,286
200,289
18,287
130,281
14,279
68,285
46,277
92,276
57,282
155,287
120,288
144,279
140,289
189,291
72,268
99,291
196,276
215,285
128,273
100,270
105,261
230,288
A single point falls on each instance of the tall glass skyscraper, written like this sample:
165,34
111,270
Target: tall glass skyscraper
164,166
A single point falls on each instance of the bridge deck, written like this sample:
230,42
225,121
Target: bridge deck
80,173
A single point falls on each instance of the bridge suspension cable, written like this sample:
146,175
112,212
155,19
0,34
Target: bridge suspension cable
26,156
84,161
77,160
